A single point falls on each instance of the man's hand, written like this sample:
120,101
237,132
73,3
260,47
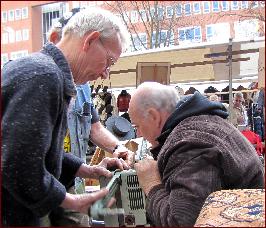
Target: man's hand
126,154
148,174
95,171
82,202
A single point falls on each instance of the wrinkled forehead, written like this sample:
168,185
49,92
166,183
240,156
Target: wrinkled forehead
114,45
237,98
133,109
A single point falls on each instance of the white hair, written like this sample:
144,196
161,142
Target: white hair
156,95
239,95
97,19
214,97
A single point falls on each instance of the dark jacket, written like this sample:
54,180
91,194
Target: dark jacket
199,153
36,91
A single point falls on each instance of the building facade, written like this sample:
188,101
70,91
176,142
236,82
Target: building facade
24,25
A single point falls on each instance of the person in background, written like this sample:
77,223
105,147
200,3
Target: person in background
66,217
239,116
36,92
214,97
195,151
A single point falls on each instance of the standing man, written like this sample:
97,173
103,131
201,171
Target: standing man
196,152
239,116
36,92
97,131
81,129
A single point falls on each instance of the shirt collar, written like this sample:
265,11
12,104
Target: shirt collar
62,63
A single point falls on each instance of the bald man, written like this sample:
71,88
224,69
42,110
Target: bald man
195,151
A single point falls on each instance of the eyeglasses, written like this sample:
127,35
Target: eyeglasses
110,60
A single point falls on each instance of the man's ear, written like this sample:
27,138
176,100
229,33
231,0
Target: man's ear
54,37
154,116
90,38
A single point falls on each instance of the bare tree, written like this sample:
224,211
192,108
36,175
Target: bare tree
157,22
157,19
253,10
248,10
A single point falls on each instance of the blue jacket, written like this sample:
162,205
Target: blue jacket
36,91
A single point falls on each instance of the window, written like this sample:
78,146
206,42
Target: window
143,39
134,16
187,9
25,13
143,15
11,15
18,14
140,42
54,21
218,32
11,35
4,16
164,38
18,54
169,11
99,3
190,34
160,12
18,36
50,15
25,34
247,29
254,4
152,12
215,6
225,5
197,34
206,7
5,38
209,32
234,5
178,10
244,4
196,7
186,34
4,59
167,37
65,8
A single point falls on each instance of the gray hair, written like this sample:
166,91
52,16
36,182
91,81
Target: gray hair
97,19
156,95
239,94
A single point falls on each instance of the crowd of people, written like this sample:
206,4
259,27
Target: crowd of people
195,149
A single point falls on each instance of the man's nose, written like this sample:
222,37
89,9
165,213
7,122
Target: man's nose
105,74
138,133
